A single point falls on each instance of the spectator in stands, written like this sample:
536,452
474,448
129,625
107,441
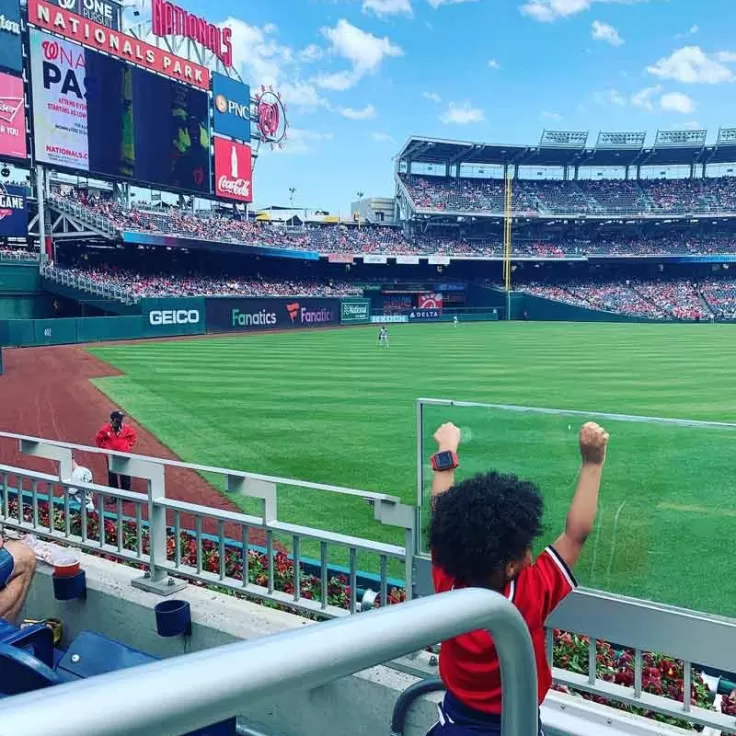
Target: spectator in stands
481,534
120,437
17,565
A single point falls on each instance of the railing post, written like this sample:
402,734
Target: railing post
157,579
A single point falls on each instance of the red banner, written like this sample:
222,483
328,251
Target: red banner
340,258
93,35
430,301
12,118
233,170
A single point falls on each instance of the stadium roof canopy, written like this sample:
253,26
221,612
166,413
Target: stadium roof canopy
571,148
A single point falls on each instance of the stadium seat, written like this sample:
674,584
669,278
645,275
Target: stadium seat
89,655
37,640
20,672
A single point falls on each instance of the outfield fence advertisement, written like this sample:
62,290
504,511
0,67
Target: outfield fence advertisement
246,315
355,311
168,317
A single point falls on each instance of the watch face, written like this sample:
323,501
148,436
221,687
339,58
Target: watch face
444,460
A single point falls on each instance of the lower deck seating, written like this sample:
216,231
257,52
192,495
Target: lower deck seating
29,662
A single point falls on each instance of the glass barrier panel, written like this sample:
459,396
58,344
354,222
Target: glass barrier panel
666,517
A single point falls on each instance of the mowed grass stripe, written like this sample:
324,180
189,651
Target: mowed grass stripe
331,407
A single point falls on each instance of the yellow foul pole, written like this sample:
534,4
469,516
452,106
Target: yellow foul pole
507,242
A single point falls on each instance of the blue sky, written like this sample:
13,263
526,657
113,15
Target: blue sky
359,76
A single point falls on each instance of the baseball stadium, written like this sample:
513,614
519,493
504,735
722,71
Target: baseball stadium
261,468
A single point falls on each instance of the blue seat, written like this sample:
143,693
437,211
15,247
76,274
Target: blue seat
88,655
20,672
37,640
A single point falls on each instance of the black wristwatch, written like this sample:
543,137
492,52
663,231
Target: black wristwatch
444,461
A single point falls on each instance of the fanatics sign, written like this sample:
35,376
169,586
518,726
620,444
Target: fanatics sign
98,37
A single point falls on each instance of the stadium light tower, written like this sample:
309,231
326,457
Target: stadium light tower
360,196
292,192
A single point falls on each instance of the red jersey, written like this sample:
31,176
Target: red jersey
108,439
469,664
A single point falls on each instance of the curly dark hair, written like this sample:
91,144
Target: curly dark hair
482,524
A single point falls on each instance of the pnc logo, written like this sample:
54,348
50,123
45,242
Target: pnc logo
293,310
221,103
174,317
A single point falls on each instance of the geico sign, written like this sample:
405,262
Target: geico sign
174,317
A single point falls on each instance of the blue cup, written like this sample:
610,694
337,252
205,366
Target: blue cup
173,618
69,588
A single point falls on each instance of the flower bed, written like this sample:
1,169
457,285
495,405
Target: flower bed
338,588
661,675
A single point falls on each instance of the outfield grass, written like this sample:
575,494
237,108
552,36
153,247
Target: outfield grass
331,407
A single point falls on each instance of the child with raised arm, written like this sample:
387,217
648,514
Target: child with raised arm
481,534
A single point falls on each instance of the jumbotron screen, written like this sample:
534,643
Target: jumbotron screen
95,113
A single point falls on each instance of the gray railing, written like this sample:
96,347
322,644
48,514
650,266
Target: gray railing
19,255
78,281
148,529
94,220
193,691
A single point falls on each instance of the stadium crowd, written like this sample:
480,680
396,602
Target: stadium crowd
384,240
676,299
143,285
594,197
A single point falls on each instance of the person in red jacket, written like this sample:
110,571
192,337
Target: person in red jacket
117,436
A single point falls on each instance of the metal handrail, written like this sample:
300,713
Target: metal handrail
159,510
177,695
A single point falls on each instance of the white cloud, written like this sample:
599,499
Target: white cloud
691,65
338,81
364,113
300,141
362,49
691,125
493,64
606,33
727,57
257,53
462,114
432,97
387,7
311,53
615,97
690,32
547,11
383,138
550,116
677,102
644,97
437,3
301,94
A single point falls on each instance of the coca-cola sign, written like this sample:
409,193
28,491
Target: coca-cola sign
233,170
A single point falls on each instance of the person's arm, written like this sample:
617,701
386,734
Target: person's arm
101,436
447,438
584,506
132,437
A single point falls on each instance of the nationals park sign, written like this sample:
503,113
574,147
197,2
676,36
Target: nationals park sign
168,19
98,37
